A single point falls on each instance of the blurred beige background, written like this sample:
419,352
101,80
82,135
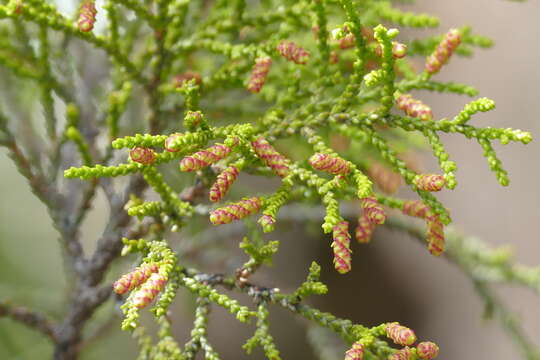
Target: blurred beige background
434,297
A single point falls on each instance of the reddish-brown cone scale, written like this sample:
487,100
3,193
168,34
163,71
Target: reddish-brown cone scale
223,183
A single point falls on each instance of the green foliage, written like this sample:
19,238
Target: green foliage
312,286
334,70
310,115
262,336
261,255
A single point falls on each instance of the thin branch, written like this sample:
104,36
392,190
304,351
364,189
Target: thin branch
110,244
37,183
258,293
68,334
30,318
110,324
510,323
460,255
471,255
475,258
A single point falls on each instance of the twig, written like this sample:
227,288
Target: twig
508,320
109,246
471,255
259,293
458,256
32,319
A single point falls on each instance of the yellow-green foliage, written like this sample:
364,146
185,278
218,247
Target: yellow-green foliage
181,75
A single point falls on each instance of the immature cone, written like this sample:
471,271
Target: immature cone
373,210
387,180
368,34
134,278
267,222
411,161
149,290
414,108
416,208
142,155
364,229
330,164
399,50
18,7
180,79
444,50
430,182
356,352
315,29
204,158
223,183
341,247
259,74
170,140
435,228
435,235
334,57
235,211
347,41
269,155
292,52
400,335
403,354
193,119
427,350
87,16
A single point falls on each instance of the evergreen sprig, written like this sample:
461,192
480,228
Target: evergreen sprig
230,88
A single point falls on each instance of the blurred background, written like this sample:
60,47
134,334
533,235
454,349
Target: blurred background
393,278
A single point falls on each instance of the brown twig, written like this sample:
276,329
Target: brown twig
30,318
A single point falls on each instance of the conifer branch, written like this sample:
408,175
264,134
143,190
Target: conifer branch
29,318
224,88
